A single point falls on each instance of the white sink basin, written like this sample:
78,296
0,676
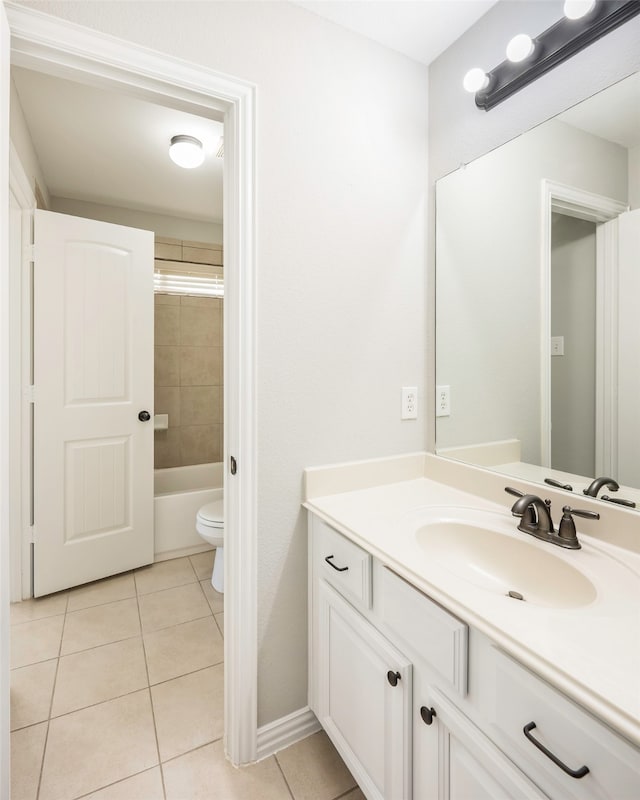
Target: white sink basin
489,551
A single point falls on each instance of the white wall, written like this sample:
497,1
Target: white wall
488,278
341,154
21,140
160,224
634,176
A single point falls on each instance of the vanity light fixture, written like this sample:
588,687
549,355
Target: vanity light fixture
585,22
475,80
186,151
576,9
520,47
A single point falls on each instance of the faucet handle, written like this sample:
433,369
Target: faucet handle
567,527
514,492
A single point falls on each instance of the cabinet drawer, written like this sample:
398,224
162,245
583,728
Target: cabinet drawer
428,630
568,733
342,564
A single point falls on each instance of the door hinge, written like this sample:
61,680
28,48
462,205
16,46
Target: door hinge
30,394
30,533
30,252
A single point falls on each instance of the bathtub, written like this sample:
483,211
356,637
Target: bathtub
178,494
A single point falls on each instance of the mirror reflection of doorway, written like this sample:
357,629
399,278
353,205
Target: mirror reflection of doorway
573,344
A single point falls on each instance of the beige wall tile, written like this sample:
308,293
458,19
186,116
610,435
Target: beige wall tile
314,770
200,366
172,606
202,255
167,366
167,451
99,625
183,648
203,245
119,587
102,673
166,299
31,690
199,327
213,303
200,405
167,325
189,711
27,749
36,641
200,444
171,252
167,401
194,774
165,575
105,743
168,240
145,786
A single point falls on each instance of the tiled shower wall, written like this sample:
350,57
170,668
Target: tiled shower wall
188,373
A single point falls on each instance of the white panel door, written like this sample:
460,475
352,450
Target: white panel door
93,375
628,348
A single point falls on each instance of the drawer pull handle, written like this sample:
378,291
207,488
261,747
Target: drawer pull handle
427,714
331,564
393,677
575,773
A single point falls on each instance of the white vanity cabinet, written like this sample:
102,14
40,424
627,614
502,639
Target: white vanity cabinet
452,725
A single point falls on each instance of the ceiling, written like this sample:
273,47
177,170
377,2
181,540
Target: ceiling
121,142
104,147
420,29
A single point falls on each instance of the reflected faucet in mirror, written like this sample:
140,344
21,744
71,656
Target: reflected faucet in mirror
597,483
543,216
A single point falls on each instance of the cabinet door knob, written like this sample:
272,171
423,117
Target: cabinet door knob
427,715
144,416
393,677
575,773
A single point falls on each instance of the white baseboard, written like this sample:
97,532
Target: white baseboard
181,551
285,731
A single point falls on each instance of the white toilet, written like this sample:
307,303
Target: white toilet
210,525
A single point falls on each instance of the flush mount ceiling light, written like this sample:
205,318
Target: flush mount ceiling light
186,151
585,22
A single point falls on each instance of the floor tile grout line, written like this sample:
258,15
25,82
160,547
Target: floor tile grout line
153,713
185,674
115,783
284,777
193,750
53,691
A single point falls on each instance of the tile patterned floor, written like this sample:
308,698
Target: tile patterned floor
117,694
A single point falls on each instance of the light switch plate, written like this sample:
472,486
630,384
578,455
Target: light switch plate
557,345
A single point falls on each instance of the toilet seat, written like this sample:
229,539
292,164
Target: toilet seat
212,514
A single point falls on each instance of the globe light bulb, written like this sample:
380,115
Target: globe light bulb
475,80
519,48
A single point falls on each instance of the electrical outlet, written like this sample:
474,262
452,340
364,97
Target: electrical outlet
409,402
557,345
443,401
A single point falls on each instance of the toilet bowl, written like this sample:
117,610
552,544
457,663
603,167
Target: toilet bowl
210,525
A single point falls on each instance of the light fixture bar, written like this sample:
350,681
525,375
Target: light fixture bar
558,43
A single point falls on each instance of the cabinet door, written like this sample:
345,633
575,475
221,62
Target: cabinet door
468,766
364,699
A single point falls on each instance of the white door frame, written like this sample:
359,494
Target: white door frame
558,198
45,43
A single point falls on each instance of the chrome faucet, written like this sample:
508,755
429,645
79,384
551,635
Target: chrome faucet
597,483
535,515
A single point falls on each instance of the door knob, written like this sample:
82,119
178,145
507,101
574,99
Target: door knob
144,416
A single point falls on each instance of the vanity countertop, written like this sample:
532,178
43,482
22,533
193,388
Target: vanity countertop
591,653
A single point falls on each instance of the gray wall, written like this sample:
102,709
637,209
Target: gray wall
459,132
573,316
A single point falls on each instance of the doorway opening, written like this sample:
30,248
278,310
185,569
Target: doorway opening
47,45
